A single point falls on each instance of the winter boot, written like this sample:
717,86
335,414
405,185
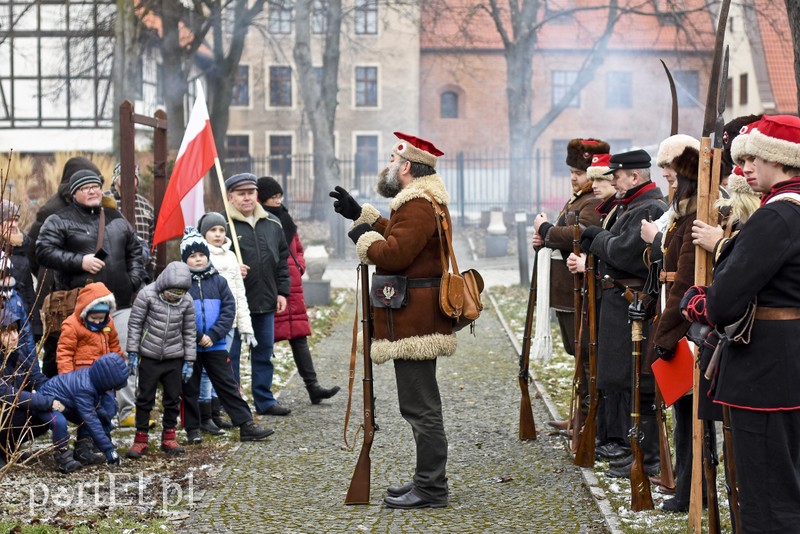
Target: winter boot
206,423
216,415
650,450
65,461
84,453
318,393
193,436
250,431
139,447
169,442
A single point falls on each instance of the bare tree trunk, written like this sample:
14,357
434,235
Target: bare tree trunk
174,83
519,65
320,99
793,12
126,61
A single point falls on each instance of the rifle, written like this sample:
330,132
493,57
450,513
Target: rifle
710,462
576,400
641,499
527,427
358,493
667,474
731,484
584,456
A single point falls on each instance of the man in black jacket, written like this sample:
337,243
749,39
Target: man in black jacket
266,283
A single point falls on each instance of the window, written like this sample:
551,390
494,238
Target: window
743,89
366,86
366,154
449,105
138,82
318,74
318,16
240,91
688,85
280,86
160,84
280,151
238,154
366,17
280,17
558,158
562,81
619,89
729,94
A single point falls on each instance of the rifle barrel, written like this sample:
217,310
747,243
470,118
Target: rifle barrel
527,427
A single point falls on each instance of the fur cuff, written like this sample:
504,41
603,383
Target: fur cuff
427,347
369,214
363,244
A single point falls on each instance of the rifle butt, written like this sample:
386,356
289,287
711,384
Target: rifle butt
358,492
584,455
527,427
641,498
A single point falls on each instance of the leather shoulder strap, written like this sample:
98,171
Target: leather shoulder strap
101,231
445,235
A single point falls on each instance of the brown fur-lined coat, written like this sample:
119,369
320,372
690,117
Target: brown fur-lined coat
407,244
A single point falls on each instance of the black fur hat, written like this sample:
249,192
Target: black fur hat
686,163
729,133
581,151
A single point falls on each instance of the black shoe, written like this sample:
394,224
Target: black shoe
250,431
625,471
621,462
216,415
65,462
209,427
84,454
193,436
672,505
411,501
396,491
611,451
275,409
318,393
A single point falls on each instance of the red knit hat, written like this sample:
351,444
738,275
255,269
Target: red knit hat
776,139
739,143
416,149
598,168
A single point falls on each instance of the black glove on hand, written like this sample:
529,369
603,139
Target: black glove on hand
587,236
664,354
345,205
636,312
358,231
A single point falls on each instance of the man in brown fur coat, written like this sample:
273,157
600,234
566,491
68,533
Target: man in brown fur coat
415,335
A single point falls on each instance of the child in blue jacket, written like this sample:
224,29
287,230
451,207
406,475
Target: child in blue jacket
215,310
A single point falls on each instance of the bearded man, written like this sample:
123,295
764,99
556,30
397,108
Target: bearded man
407,245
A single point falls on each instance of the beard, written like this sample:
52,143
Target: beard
388,182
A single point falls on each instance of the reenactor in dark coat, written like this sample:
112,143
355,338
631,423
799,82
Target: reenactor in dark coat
619,249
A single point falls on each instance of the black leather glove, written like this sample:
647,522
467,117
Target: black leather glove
358,231
664,354
345,205
587,236
636,311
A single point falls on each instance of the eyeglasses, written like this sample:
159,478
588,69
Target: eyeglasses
89,188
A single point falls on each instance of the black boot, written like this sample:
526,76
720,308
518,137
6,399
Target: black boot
216,414
206,423
650,450
85,454
317,393
65,461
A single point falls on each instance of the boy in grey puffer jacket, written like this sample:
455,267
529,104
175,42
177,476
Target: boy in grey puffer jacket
162,331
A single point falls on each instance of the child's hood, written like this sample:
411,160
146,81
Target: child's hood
109,372
176,275
91,295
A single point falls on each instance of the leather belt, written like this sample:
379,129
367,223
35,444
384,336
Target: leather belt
634,283
777,314
424,282
667,277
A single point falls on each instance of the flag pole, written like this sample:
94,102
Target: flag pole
234,237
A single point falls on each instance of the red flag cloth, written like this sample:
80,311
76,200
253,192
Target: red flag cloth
183,201
676,376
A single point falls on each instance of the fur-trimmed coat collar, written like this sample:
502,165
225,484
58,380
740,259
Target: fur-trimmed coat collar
420,188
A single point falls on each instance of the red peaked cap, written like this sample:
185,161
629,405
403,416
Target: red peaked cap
421,144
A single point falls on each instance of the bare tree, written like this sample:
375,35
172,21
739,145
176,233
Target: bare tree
127,52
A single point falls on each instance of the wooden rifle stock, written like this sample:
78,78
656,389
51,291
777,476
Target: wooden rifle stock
575,421
667,474
731,484
641,499
527,427
358,493
710,469
584,456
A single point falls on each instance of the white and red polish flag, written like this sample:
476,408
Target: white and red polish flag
183,201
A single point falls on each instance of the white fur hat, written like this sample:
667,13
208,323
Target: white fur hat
673,146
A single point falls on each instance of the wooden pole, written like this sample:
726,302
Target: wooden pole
234,237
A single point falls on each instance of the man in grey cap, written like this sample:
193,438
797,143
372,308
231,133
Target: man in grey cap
266,281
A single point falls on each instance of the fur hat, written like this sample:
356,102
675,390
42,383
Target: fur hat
581,151
268,187
673,146
416,149
776,139
599,167
210,220
192,242
731,131
686,163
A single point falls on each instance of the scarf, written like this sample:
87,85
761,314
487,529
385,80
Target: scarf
635,192
289,227
787,186
203,272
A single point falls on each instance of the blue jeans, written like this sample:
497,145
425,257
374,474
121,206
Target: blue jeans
206,389
260,360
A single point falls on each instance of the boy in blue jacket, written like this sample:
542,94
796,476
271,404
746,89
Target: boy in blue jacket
215,311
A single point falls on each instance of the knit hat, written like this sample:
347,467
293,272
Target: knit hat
192,242
581,151
598,168
416,149
268,187
739,144
81,178
673,146
686,163
776,139
100,307
210,220
8,210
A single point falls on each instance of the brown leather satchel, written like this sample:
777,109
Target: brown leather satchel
459,294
